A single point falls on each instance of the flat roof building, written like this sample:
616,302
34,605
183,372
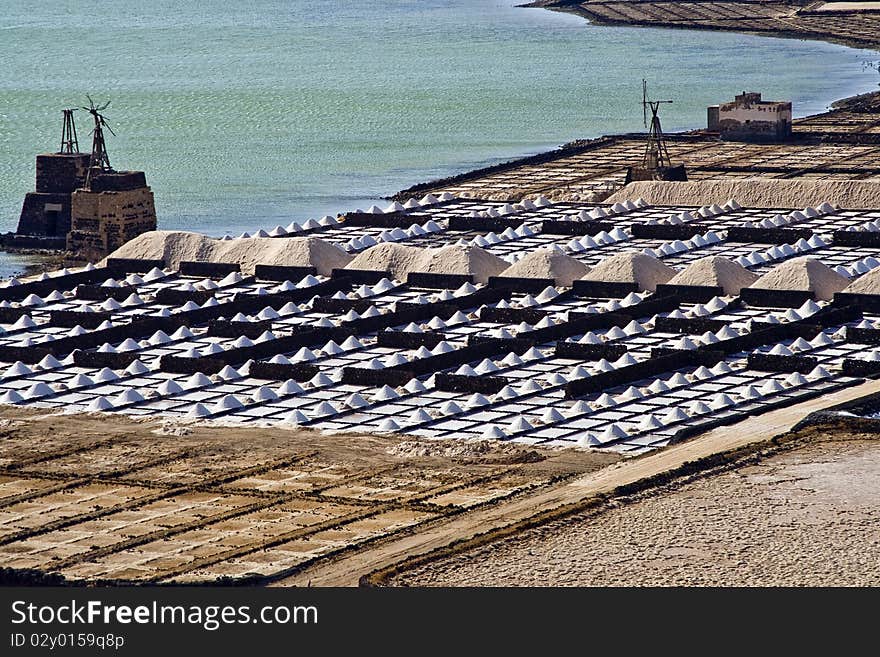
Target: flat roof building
748,118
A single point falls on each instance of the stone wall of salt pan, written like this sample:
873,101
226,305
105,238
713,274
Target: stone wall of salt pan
645,271
804,274
177,246
717,272
548,263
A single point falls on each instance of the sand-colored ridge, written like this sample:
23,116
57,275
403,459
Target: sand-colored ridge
400,260
645,271
175,247
805,274
715,271
757,193
548,263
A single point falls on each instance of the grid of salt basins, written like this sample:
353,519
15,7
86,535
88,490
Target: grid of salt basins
599,365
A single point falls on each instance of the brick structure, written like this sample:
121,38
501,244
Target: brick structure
114,208
46,211
748,118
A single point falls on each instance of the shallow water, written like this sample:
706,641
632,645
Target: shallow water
247,115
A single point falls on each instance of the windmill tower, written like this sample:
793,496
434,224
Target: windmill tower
656,163
100,160
69,142
656,153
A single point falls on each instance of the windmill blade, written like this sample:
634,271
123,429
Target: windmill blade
91,102
104,106
109,128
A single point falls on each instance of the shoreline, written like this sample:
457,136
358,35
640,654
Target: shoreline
580,145
577,8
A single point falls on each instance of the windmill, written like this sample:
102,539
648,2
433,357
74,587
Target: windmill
69,143
656,153
99,160
656,163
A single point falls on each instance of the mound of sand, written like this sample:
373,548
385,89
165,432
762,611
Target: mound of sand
462,260
717,272
400,260
867,284
177,246
807,274
757,193
548,263
645,271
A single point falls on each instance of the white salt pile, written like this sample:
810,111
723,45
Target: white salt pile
717,272
462,260
645,271
298,251
401,260
757,192
548,263
177,246
867,284
806,274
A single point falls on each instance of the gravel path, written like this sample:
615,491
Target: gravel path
809,517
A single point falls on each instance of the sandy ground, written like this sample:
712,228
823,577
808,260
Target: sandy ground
115,498
810,517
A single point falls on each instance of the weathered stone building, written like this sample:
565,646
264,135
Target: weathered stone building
748,118
46,211
80,201
113,208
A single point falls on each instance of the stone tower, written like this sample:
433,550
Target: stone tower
111,209
46,211
81,202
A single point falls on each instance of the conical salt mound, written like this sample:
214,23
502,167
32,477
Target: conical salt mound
867,284
645,271
548,263
455,259
399,259
294,251
715,271
805,274
176,246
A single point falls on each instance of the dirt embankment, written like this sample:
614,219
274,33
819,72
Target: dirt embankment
804,516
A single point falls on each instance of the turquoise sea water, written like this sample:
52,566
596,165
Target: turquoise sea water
249,114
